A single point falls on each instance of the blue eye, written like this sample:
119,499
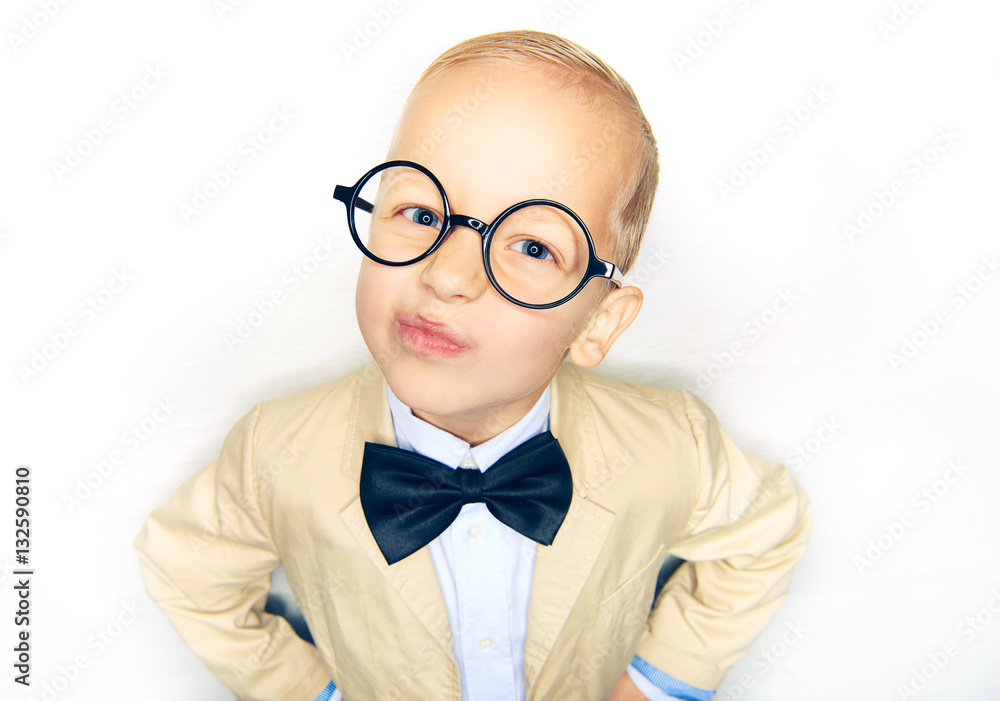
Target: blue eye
422,216
533,249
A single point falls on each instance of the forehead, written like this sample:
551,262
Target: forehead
497,133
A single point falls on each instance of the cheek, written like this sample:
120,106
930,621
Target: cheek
371,297
535,341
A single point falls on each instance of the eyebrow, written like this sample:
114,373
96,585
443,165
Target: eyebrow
415,178
553,215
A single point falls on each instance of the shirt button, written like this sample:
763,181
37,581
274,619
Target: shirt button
468,463
485,643
475,531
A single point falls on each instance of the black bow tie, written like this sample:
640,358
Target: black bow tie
409,500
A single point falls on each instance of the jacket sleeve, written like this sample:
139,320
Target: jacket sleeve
749,528
206,558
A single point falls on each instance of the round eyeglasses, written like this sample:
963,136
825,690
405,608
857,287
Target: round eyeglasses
538,253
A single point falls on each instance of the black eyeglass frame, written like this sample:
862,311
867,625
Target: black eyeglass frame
596,267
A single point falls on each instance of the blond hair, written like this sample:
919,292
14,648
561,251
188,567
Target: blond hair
569,59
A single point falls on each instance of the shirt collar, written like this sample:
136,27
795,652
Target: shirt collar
417,435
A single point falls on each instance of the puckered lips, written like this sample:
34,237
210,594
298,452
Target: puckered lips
429,337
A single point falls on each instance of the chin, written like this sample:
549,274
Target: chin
428,397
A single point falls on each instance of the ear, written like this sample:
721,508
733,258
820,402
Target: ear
613,315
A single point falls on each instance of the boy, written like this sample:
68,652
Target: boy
480,558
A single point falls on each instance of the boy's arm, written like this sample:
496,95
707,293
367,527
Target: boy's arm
749,528
207,558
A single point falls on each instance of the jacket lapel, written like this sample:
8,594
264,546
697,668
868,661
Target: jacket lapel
413,578
562,569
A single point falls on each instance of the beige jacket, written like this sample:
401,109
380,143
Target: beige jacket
653,474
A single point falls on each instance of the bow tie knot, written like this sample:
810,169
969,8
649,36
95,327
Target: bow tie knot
472,485
409,500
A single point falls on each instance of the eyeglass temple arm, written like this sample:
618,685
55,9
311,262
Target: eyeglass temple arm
608,272
343,194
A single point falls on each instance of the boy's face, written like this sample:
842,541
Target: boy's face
451,347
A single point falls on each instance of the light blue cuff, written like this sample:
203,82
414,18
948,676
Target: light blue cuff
669,685
327,692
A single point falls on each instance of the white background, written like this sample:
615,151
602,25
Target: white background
710,266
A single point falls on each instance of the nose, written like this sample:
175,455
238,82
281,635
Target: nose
455,270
